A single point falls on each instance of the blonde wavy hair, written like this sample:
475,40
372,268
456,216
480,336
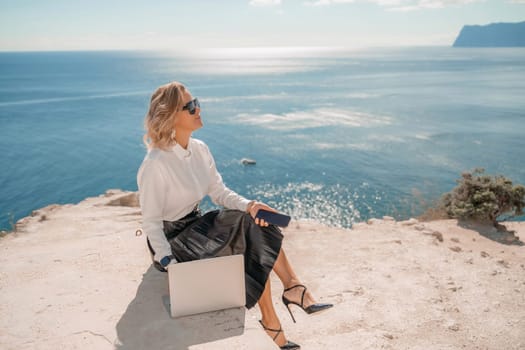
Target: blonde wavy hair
160,119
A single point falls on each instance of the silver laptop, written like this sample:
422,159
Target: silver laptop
206,285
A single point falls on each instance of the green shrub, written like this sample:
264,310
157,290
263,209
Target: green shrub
483,197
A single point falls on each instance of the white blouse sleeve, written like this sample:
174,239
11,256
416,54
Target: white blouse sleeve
152,193
219,193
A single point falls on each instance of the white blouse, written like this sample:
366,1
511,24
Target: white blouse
172,182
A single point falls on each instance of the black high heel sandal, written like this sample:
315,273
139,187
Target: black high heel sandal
310,309
289,345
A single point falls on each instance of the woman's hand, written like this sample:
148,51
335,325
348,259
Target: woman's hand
254,208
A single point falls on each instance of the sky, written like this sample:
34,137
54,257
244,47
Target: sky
48,25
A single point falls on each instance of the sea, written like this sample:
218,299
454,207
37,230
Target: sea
338,135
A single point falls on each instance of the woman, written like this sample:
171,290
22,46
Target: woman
177,172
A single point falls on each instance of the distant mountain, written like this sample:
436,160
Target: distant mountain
492,35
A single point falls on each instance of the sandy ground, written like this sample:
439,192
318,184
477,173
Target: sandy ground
78,277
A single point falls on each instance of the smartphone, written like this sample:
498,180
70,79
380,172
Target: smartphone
270,217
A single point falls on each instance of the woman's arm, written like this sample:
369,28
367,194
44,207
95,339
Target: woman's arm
152,193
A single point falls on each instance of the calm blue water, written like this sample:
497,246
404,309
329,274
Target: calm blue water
339,136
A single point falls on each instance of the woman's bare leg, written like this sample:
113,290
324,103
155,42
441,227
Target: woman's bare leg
284,270
269,317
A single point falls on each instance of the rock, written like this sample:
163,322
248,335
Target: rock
248,161
410,222
357,225
111,192
469,261
510,238
129,294
492,35
484,254
454,239
503,263
455,249
126,200
373,221
438,235
454,327
419,227
388,218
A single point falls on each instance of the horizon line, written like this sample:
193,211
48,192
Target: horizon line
226,48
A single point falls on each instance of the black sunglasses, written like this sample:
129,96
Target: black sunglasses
192,106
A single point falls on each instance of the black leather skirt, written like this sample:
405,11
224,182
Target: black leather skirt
227,232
